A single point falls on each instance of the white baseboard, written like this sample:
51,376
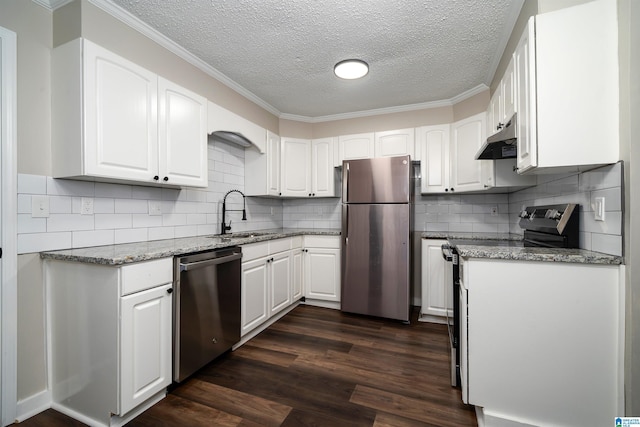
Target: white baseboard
324,304
264,326
33,405
494,419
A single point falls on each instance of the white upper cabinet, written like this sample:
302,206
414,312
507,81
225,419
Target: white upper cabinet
322,172
395,143
566,82
296,165
357,146
263,169
502,103
433,143
467,173
182,135
116,121
307,167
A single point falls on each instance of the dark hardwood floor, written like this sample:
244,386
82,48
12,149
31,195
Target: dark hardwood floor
317,367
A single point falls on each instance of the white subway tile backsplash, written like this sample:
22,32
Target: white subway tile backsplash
144,220
27,224
606,243
172,220
112,221
60,204
161,233
83,239
612,196
115,191
101,205
131,206
37,242
146,193
69,222
32,184
131,235
24,203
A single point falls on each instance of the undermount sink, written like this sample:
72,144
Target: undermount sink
250,234
220,238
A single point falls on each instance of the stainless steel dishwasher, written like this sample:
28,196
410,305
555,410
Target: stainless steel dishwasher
206,308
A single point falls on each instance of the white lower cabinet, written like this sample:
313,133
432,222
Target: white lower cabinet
110,337
553,353
271,280
437,281
322,267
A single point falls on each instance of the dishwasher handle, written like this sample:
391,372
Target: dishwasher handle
207,262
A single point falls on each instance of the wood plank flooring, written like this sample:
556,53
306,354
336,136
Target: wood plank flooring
317,367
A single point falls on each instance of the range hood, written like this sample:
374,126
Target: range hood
500,145
226,126
231,137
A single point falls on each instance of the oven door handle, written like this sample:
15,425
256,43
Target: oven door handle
447,252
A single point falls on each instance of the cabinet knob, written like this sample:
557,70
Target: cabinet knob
170,290
165,179
486,186
309,194
453,189
155,178
446,189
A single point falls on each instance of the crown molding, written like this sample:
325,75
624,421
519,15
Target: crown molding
388,110
52,4
143,28
146,30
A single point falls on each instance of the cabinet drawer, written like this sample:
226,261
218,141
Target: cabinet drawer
279,245
332,242
255,250
145,275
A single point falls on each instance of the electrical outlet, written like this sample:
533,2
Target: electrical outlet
86,206
599,208
494,211
39,207
155,207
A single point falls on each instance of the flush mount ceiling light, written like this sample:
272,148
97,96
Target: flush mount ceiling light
350,69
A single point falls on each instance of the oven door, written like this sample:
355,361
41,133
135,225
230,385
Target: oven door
453,323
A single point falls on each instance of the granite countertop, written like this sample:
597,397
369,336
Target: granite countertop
519,253
145,251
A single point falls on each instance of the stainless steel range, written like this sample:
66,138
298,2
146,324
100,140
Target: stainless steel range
549,226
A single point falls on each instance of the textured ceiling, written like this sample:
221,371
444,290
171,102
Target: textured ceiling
283,51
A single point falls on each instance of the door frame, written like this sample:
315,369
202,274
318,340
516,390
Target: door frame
8,212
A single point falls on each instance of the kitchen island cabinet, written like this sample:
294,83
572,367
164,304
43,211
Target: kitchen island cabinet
110,329
542,342
116,121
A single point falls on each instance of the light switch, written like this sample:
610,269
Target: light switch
39,206
599,208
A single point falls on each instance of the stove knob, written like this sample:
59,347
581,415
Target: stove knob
552,214
524,214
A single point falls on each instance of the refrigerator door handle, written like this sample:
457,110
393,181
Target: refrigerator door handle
345,189
346,225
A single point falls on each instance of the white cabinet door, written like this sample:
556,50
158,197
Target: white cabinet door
493,112
399,142
437,280
464,342
296,163
145,345
322,176
508,93
296,275
357,146
120,137
525,85
254,297
273,164
182,136
434,164
467,173
263,169
280,281
322,274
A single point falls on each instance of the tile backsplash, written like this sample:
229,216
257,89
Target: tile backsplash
121,212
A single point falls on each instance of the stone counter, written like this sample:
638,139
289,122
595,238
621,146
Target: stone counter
145,251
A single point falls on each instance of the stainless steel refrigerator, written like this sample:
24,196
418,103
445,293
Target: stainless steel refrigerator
376,237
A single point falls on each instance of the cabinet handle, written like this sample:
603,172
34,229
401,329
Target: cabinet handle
515,169
170,290
155,178
486,186
165,179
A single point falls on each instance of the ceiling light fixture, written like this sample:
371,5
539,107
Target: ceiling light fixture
350,69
